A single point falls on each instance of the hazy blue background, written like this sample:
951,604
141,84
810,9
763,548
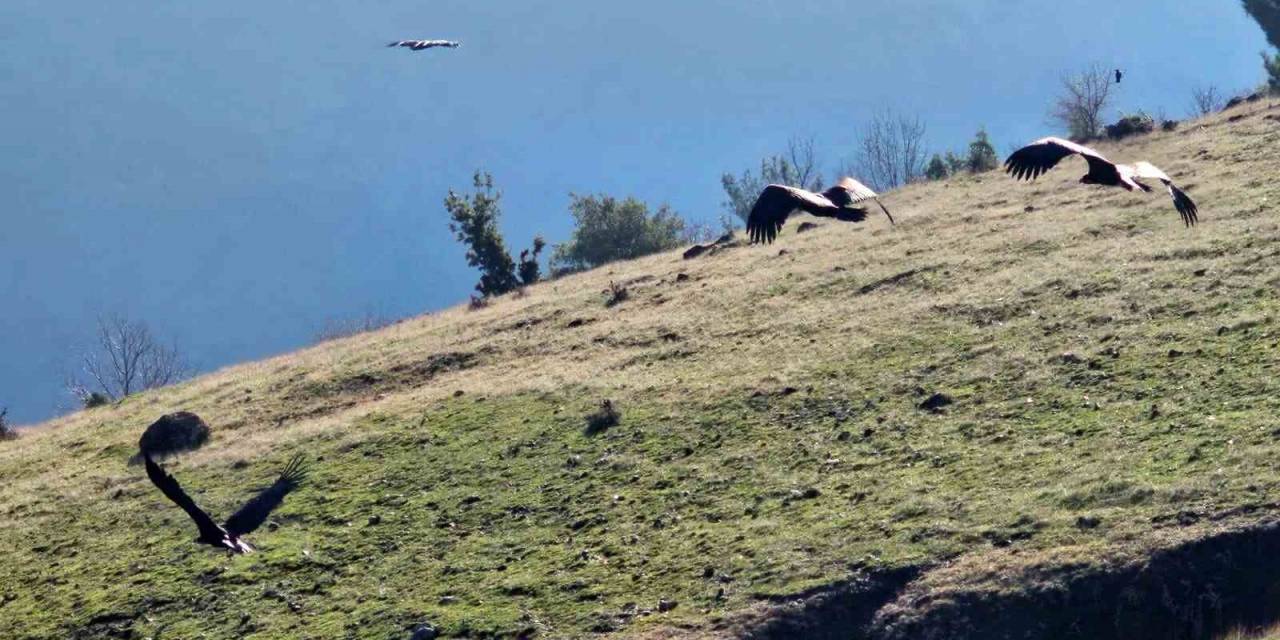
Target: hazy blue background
236,173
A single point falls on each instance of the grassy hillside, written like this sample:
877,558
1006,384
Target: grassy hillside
1111,376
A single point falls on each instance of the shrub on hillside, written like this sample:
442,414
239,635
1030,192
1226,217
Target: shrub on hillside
602,419
616,294
936,169
607,229
530,272
7,430
982,156
1131,125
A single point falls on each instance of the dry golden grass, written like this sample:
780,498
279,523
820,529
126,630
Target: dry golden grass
1005,277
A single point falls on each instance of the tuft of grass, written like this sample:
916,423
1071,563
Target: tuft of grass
453,483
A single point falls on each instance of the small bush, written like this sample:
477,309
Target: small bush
477,303
95,399
982,156
1169,125
602,419
1131,125
615,294
936,169
7,431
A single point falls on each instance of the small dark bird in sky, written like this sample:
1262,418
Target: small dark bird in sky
777,201
1040,156
1118,76
248,518
419,45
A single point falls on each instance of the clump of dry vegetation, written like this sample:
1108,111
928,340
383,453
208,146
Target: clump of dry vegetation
602,419
483,529
7,431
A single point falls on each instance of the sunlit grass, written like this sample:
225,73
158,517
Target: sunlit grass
1104,363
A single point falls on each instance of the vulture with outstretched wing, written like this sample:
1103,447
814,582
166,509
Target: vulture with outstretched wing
248,518
777,201
1042,155
419,45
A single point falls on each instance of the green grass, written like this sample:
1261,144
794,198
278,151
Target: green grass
761,378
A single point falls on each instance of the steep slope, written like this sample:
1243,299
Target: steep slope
1112,395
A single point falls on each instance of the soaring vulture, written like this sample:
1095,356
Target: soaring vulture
1040,156
419,45
248,518
777,202
1118,76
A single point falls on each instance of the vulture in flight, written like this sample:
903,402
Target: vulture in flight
1040,156
419,45
248,518
1118,76
777,202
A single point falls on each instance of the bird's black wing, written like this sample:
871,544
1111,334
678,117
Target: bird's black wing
173,491
770,212
255,511
1044,154
1186,208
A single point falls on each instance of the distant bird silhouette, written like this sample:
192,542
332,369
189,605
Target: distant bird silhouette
1040,156
1118,76
248,518
419,45
777,201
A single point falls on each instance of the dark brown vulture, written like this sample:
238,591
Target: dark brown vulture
248,518
1040,156
777,202
1118,76
419,45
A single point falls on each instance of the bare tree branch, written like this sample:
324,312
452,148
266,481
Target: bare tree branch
1205,100
891,152
127,359
1084,97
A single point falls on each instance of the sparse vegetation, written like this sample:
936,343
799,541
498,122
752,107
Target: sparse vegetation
795,167
607,229
1085,96
335,329
1206,100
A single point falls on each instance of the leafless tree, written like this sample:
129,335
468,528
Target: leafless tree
797,166
891,151
125,359
1205,100
1085,95
341,328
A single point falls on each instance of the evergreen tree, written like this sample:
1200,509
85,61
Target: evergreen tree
982,156
937,169
475,222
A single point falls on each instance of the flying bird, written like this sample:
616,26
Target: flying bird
1040,156
1118,76
419,45
777,201
248,518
